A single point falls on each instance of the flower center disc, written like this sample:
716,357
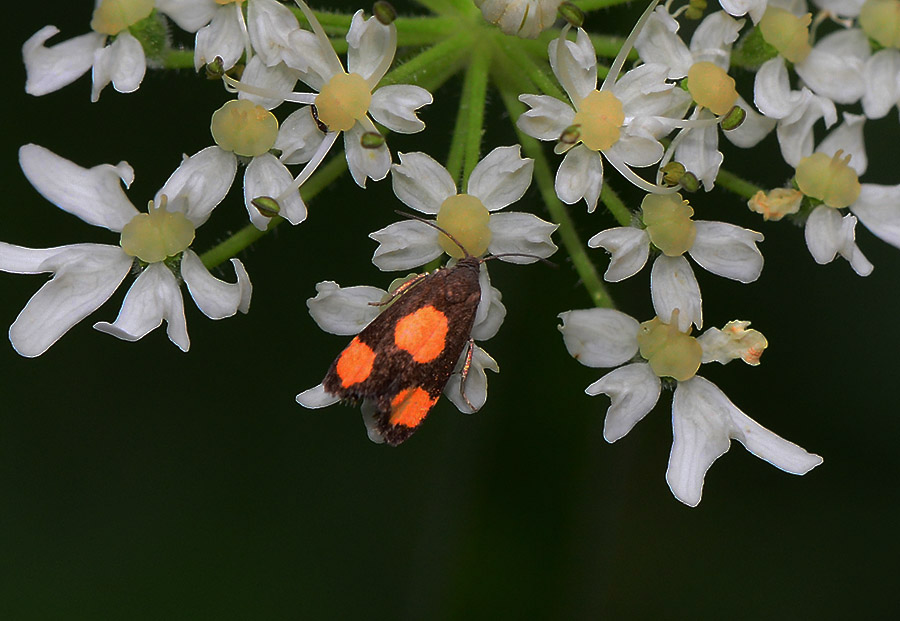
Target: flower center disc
787,33
669,225
114,16
829,179
880,19
670,353
343,101
244,128
711,87
157,234
600,116
467,220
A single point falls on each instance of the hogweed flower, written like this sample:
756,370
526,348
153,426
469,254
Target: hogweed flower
523,18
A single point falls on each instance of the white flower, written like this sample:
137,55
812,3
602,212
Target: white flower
523,18
86,275
497,181
122,62
723,249
704,420
345,100
622,120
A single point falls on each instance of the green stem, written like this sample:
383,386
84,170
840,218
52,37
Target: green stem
413,31
438,7
614,204
249,234
543,176
179,59
735,184
595,5
465,147
523,63
434,66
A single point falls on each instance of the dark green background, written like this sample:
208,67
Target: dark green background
138,482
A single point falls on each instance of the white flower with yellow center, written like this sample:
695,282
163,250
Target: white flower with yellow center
723,249
471,217
523,18
704,420
245,131
122,62
345,311
157,242
345,99
622,119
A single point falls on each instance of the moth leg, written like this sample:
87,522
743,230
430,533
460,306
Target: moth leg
464,373
401,289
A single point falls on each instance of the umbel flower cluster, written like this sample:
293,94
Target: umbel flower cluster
646,108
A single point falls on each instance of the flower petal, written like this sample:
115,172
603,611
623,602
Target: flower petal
491,312
629,248
199,183
501,178
574,63
882,86
153,297
122,62
421,182
266,176
371,47
878,208
834,66
49,69
703,422
316,397
633,390
298,137
827,234
395,105
275,79
658,42
727,250
405,245
547,118
95,195
345,310
190,15
674,286
599,337
580,176
754,128
216,298
222,37
476,384
521,234
848,137
269,25
365,163
85,276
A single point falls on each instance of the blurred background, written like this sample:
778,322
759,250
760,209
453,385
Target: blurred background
140,482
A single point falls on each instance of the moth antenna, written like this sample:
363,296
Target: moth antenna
434,225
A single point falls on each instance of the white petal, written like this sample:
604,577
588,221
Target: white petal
321,62
475,386
216,298
882,86
754,128
369,415
575,64
699,152
833,71
269,24
404,245
703,423
635,150
154,296
501,178
629,247
95,195
199,183
49,69
395,105
365,163
754,8
878,208
633,391
266,176
714,37
122,62
772,92
317,397
223,37
827,234
491,312
522,234
580,176
728,250
674,286
371,47
421,182
644,91
190,15
848,137
795,133
547,119
277,79
599,337
658,42
85,275
298,137
345,310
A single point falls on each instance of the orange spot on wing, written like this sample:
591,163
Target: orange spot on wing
355,363
422,334
410,406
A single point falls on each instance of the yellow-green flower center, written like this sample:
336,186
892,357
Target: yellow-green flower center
711,87
599,117
157,234
113,16
223,2
671,353
244,128
828,179
786,33
467,220
880,20
668,221
343,101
